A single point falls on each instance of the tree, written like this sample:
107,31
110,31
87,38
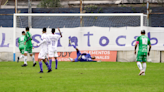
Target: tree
49,3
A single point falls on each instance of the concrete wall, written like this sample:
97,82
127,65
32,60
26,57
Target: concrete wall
5,56
128,56
122,56
162,56
8,56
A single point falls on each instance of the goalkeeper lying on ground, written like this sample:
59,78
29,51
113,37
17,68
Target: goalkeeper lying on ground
83,57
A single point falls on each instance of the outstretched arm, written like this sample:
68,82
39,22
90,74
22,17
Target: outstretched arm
60,32
41,42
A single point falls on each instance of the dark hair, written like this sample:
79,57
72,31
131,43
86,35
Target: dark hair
23,32
53,30
142,31
44,29
27,28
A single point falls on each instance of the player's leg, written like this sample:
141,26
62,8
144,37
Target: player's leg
48,66
71,59
139,60
40,65
40,58
73,46
77,51
76,59
51,54
32,56
56,60
144,64
50,61
25,56
33,59
22,54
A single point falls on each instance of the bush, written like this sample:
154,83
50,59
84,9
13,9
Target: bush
49,3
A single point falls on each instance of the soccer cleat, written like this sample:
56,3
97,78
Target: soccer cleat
49,71
40,72
17,59
34,64
56,68
24,65
141,72
70,42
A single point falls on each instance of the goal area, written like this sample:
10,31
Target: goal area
73,20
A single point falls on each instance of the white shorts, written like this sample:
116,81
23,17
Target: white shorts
53,53
42,54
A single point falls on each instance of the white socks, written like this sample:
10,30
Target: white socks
33,58
139,65
21,56
144,67
25,59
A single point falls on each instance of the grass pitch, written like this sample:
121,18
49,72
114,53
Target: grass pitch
81,77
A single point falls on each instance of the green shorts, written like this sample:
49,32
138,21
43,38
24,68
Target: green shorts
28,50
22,50
142,58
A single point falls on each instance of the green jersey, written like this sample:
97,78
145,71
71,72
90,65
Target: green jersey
29,42
21,41
143,42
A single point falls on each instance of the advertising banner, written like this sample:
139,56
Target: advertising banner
87,38
109,56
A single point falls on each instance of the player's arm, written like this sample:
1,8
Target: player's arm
28,38
149,47
137,42
44,40
60,32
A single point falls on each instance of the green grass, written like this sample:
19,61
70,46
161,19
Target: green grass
81,77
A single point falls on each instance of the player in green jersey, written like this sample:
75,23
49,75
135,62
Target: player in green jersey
21,41
28,48
143,41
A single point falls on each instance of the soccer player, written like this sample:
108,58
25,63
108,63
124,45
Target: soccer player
44,49
142,41
83,57
53,46
28,48
21,41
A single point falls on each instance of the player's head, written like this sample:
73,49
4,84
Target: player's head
93,57
143,32
23,33
44,30
53,30
27,28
